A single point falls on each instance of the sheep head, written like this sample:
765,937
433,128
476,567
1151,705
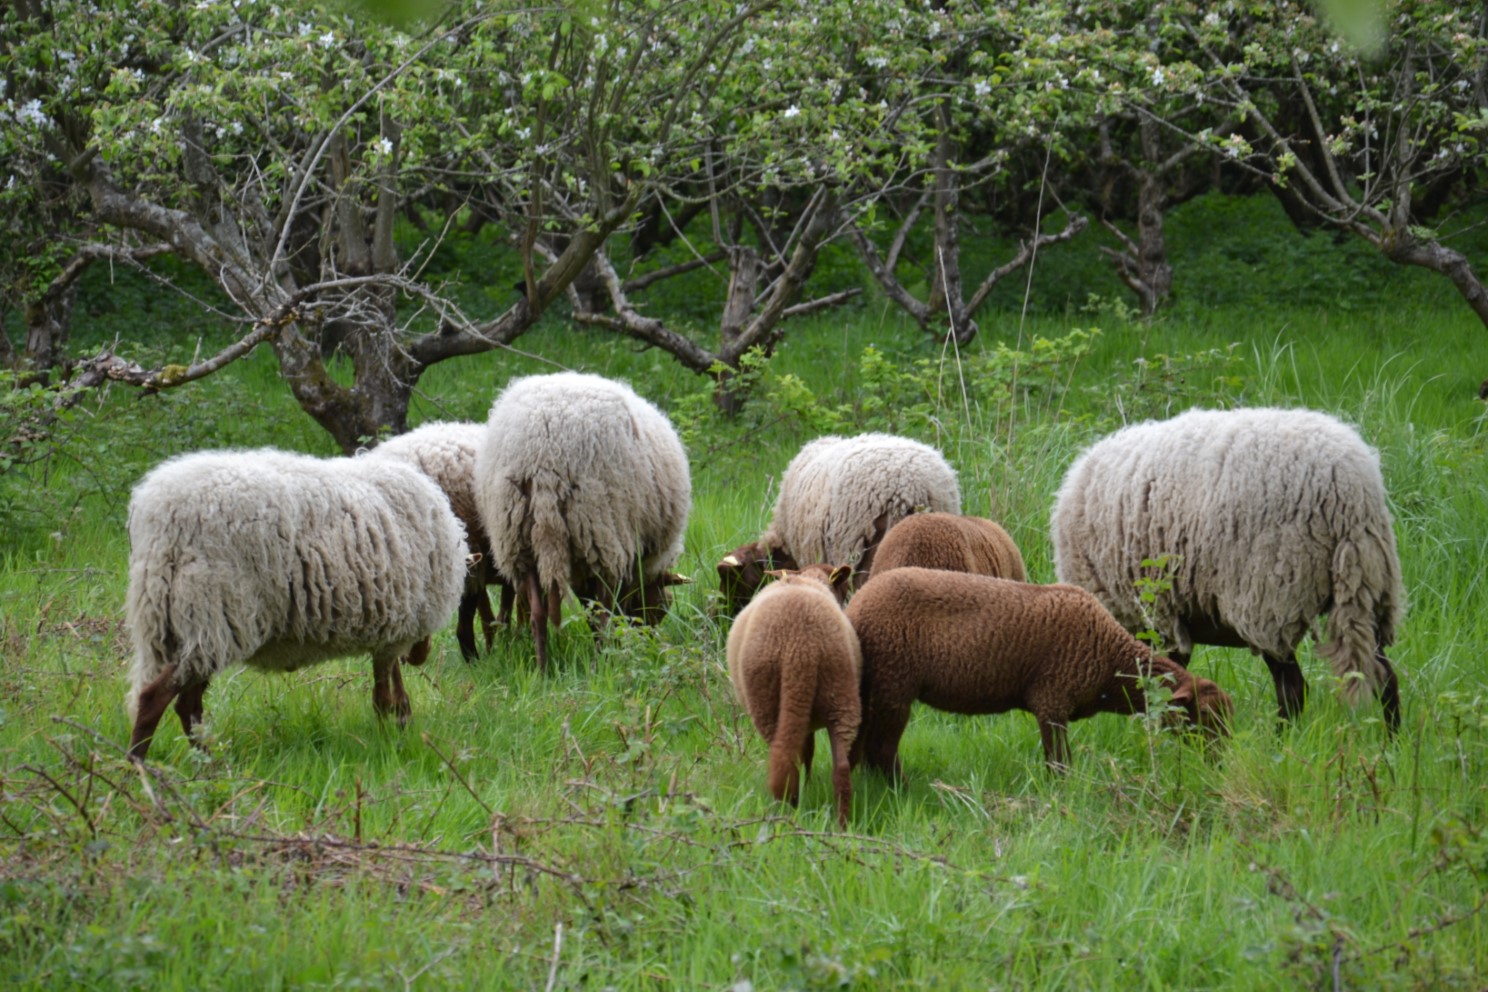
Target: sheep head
837,578
648,600
742,572
1205,706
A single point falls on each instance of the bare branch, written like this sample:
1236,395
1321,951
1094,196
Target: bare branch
1026,253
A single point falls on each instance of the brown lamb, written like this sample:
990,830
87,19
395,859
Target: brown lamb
950,543
973,644
795,665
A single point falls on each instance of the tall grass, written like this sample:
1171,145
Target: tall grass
607,825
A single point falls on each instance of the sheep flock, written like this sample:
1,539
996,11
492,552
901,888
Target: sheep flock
867,592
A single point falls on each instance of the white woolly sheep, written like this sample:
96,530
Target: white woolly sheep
277,561
1269,517
974,644
794,662
950,543
582,485
445,452
838,498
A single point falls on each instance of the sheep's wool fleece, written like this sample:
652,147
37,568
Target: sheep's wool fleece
279,560
1270,515
577,477
445,452
835,488
968,643
791,629
951,543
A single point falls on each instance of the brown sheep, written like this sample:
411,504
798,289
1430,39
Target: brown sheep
973,644
795,666
951,543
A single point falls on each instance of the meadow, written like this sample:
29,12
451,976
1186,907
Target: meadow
607,825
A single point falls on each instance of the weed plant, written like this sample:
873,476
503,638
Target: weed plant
607,825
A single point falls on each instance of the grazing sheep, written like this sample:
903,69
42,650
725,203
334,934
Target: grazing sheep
445,452
838,498
952,544
582,485
1270,518
974,644
795,664
278,560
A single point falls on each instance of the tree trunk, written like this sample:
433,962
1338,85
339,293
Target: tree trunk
47,321
946,296
745,267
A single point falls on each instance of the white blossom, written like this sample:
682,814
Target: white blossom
31,113
384,146
326,40
982,88
1157,76
791,111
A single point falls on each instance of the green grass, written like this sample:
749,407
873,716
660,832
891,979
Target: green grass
607,825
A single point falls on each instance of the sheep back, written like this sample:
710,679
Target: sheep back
578,477
445,452
837,492
969,643
1272,516
279,560
951,543
974,644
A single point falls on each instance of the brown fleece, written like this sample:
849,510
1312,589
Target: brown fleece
951,543
795,666
974,644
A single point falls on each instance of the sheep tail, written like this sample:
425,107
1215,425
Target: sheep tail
550,536
792,727
147,608
1365,590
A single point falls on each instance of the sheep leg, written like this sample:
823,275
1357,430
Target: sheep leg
150,706
470,604
1389,692
841,772
419,653
808,753
537,611
508,601
1056,744
880,743
1291,687
487,618
189,708
388,695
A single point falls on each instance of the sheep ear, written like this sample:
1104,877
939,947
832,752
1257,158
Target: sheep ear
777,573
673,579
730,560
840,575
1185,695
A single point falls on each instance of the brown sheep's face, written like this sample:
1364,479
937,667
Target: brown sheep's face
1206,707
1215,710
742,572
